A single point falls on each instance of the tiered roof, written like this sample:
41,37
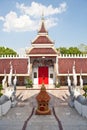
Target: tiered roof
42,51
42,40
42,37
42,44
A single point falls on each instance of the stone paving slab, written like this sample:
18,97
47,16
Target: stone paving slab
40,122
67,127
70,119
12,125
42,127
15,118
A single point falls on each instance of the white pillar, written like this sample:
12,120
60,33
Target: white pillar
28,66
74,75
81,80
10,75
57,65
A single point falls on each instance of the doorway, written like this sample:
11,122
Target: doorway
43,75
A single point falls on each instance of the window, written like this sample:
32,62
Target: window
35,74
51,75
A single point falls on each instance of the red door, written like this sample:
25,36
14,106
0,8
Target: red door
43,75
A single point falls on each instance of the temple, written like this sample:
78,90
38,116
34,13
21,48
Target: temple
43,58
43,63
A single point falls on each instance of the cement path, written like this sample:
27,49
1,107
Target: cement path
69,118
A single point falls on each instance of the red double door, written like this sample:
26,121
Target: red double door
43,75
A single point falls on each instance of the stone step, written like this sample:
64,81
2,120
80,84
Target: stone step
50,86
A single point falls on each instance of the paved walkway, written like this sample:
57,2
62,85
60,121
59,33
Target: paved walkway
47,122
15,118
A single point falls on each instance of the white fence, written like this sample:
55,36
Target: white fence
59,56
72,56
13,56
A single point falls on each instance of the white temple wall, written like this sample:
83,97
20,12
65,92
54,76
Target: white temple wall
35,75
51,75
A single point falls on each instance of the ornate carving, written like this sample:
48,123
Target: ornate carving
43,62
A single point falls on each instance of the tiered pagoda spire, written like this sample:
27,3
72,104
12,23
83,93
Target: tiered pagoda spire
42,44
42,37
42,28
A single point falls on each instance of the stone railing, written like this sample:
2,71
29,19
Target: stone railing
72,56
4,108
81,109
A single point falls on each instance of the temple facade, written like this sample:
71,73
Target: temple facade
43,63
43,58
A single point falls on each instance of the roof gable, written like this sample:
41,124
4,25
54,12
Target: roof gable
36,51
42,40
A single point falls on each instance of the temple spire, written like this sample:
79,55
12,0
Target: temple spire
42,16
42,28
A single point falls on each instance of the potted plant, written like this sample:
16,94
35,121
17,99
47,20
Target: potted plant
57,85
29,83
85,89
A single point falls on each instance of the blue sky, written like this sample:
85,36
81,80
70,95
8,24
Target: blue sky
66,22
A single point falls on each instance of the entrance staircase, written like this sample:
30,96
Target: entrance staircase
50,86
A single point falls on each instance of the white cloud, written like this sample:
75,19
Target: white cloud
50,22
15,23
28,20
36,9
1,18
24,23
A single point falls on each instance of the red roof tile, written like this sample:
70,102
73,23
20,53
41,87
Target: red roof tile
20,65
42,51
66,64
42,40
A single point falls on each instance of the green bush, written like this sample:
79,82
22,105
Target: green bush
57,85
0,90
85,95
85,90
29,83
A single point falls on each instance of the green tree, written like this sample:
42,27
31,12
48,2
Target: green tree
74,50
63,50
70,50
7,51
83,48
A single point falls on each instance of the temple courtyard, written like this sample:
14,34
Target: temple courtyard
22,116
